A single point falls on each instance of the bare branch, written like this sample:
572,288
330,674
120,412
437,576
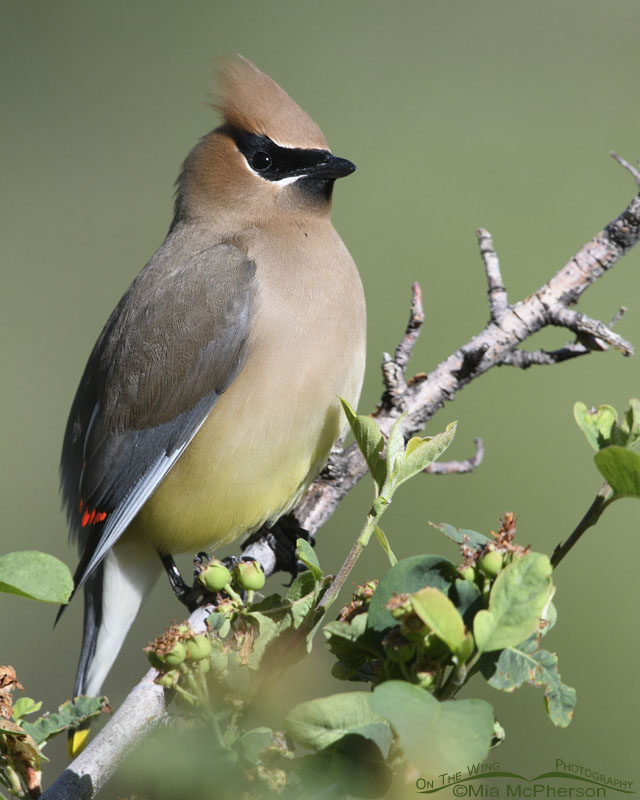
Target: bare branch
393,369
628,167
523,359
416,318
458,467
618,316
498,302
581,324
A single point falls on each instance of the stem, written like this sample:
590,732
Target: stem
593,514
361,542
233,594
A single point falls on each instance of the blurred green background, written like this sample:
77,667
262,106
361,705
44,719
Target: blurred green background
458,114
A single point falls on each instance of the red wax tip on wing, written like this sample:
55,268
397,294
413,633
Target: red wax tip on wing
90,517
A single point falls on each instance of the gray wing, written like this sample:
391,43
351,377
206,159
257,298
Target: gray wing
175,342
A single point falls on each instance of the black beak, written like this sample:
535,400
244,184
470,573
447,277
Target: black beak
332,167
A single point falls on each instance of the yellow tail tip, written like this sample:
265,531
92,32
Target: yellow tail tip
77,742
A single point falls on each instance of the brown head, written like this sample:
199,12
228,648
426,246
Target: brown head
267,161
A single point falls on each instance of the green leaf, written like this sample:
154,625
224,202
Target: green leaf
69,715
318,724
629,428
438,612
621,469
473,539
421,452
436,737
353,767
370,440
306,554
252,743
408,576
24,706
39,576
539,668
467,598
278,620
518,597
596,425
349,631
381,537
351,644
303,584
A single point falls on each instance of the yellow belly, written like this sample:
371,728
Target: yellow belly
234,477
272,430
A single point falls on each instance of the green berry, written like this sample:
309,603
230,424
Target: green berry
198,647
467,573
400,653
249,575
175,656
215,576
490,563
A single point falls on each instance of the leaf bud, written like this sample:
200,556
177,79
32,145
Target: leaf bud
198,647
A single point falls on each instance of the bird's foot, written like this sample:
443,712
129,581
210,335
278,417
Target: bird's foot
190,596
275,546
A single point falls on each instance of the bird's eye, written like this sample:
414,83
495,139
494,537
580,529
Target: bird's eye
260,161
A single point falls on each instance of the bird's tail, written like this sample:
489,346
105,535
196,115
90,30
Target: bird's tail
112,598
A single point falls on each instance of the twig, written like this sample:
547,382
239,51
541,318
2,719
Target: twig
458,467
593,514
628,167
581,324
393,369
523,359
498,302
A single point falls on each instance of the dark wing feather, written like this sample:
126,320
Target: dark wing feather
175,342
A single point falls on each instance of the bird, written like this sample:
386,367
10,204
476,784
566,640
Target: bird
210,400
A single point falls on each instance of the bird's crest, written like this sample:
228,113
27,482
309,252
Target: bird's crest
249,99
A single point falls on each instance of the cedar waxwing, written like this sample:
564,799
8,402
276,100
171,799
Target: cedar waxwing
210,400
